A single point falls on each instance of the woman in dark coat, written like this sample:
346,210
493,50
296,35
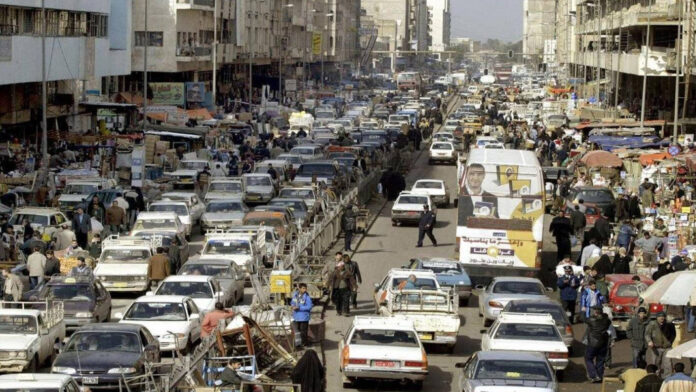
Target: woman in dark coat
622,262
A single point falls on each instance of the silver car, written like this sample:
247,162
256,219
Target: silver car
504,289
545,305
507,371
260,188
227,272
222,214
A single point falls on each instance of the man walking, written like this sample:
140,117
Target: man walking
353,267
115,217
561,229
425,226
301,304
659,335
579,222
342,283
597,344
36,264
568,285
158,268
13,287
591,297
635,332
82,225
348,226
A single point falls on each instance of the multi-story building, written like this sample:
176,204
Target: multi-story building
538,27
392,19
439,24
87,52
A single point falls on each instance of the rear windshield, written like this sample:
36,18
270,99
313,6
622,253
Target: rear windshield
513,370
518,288
318,169
442,146
412,200
421,283
384,337
594,196
554,310
299,193
513,331
179,209
428,185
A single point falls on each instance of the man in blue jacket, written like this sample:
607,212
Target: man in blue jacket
568,285
301,308
591,297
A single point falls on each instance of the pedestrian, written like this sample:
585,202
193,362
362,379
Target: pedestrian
590,298
622,262
603,266
408,284
678,381
631,376
82,225
52,265
95,246
425,226
231,378
650,383
635,332
588,251
579,222
659,335
202,179
603,230
212,319
13,286
218,171
64,236
568,285
272,172
348,225
342,283
36,264
597,337
28,230
158,268
561,229
353,267
81,269
95,209
115,218
301,304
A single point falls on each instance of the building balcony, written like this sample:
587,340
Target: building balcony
660,15
660,61
205,5
196,53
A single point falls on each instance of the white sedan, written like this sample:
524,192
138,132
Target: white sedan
408,208
442,151
203,290
527,332
436,189
174,320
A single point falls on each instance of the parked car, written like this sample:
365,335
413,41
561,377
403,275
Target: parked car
46,220
441,151
436,189
508,370
504,289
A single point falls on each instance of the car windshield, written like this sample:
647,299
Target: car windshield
121,255
554,310
318,169
193,165
18,219
513,370
233,187
631,290
384,337
412,200
258,181
17,324
324,115
149,224
294,205
225,206
204,269
595,196
291,159
303,151
514,331
189,289
167,237
264,221
443,268
442,146
518,288
179,209
70,292
156,311
79,189
428,185
421,283
227,247
396,118
299,193
101,341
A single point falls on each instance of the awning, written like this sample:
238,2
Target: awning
649,159
158,116
172,134
199,114
610,143
632,124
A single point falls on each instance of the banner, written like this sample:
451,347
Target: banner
167,93
195,92
138,167
316,43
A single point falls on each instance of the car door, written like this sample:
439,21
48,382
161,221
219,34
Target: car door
194,318
468,374
238,285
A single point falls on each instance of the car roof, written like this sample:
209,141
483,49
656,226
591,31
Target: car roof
164,200
430,180
111,326
187,278
400,272
157,215
518,157
161,298
515,279
364,322
20,312
511,355
31,381
526,318
36,210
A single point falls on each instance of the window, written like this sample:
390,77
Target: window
156,38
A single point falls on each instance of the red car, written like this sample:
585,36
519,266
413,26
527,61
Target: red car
624,298
592,212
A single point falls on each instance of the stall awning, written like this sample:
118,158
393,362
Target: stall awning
199,114
610,143
158,116
649,159
172,134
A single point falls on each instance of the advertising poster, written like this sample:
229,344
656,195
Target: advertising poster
316,43
195,92
167,93
138,168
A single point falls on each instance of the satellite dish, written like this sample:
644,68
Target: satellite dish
487,79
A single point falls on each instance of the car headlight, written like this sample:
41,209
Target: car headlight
141,278
461,282
173,336
122,370
63,370
84,315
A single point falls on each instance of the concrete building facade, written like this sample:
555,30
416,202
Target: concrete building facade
538,26
439,24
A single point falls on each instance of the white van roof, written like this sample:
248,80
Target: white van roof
504,157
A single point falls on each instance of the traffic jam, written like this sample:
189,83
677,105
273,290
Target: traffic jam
431,231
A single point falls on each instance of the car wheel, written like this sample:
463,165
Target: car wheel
450,348
33,365
560,375
349,382
202,231
189,347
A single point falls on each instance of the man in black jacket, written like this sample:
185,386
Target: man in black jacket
597,343
603,230
635,332
425,226
561,229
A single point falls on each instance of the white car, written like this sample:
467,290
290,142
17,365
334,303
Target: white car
34,382
409,206
225,188
496,146
501,371
180,208
195,204
532,332
203,290
295,160
173,320
157,221
482,141
123,264
382,348
451,125
308,152
442,152
425,279
436,189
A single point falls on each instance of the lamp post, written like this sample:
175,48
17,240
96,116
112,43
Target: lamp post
215,43
282,52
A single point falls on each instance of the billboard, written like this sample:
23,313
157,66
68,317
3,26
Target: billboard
167,93
316,43
195,92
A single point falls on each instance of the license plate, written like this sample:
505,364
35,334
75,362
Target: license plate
90,380
426,336
390,364
120,284
186,180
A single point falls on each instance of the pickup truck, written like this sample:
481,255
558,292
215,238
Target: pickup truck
123,264
29,332
433,313
248,251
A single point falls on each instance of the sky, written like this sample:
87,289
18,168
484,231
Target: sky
483,19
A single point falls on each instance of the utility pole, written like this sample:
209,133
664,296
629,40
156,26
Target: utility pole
44,98
251,57
675,130
147,41
215,43
645,69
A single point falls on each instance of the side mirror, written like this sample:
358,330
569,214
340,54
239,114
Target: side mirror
479,287
460,365
194,316
118,315
376,287
483,330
